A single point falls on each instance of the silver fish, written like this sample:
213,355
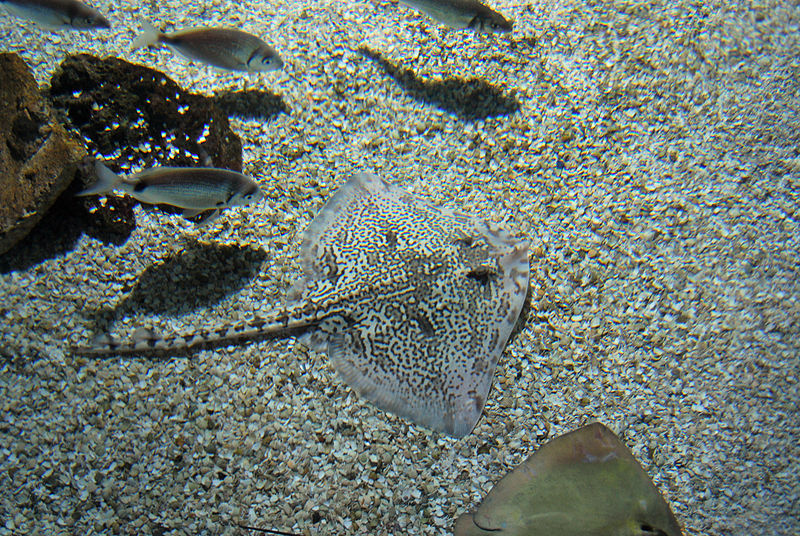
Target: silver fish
57,14
224,48
195,189
462,14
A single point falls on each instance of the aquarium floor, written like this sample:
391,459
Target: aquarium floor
649,151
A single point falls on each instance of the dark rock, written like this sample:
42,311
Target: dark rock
251,104
38,158
131,115
127,115
111,219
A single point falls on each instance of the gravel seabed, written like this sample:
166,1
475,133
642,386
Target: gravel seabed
650,151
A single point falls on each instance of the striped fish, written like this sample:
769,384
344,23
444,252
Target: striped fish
462,14
195,190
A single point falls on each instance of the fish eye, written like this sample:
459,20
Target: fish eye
266,61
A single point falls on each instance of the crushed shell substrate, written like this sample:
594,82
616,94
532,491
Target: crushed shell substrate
648,149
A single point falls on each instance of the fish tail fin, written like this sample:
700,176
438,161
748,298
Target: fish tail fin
149,36
107,180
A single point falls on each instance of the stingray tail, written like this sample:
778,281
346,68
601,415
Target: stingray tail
107,180
149,36
148,342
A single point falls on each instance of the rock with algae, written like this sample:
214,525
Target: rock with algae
38,157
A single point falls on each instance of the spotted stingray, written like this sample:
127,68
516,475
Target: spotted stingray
413,303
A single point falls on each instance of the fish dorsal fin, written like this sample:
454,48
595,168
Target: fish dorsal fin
418,302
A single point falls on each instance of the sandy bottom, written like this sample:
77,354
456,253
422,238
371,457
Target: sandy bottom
649,150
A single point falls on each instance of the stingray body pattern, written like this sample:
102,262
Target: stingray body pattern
414,304
583,483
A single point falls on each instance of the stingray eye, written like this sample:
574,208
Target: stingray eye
266,61
648,530
481,274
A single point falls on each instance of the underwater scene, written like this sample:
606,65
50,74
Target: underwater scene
400,267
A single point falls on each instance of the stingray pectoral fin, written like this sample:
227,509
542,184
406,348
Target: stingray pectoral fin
399,388
349,366
358,187
583,482
361,373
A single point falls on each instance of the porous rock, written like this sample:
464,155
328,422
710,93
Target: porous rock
131,115
38,158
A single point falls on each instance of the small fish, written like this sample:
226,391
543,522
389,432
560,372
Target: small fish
462,14
195,189
224,48
57,14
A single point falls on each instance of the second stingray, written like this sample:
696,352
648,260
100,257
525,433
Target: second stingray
413,303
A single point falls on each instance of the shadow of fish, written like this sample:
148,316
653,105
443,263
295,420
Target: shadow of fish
470,98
